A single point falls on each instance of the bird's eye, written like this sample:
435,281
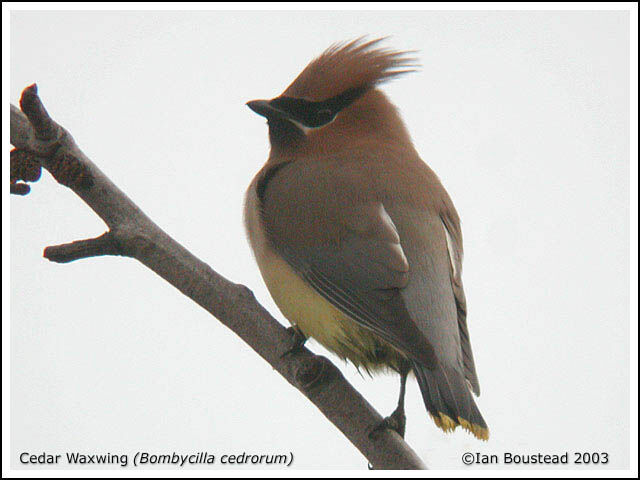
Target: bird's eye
323,116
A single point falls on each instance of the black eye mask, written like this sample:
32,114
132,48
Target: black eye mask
316,114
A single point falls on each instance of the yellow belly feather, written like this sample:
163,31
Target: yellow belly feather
319,319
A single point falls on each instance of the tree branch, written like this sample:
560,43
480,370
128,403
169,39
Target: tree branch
105,244
42,141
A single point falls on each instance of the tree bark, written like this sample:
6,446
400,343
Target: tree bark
41,142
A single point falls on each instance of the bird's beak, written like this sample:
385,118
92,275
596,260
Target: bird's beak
264,108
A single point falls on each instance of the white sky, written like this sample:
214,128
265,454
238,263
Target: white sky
523,115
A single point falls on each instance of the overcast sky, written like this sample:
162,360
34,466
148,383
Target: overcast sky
523,115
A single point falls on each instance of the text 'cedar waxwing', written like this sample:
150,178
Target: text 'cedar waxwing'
357,240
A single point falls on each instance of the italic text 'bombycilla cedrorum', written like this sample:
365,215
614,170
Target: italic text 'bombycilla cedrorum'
356,238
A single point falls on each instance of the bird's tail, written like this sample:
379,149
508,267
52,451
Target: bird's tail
449,400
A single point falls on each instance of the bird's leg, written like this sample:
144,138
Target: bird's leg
397,421
298,341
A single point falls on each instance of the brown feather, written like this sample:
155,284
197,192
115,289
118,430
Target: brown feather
349,65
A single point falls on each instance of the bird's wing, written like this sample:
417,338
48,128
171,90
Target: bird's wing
343,242
453,234
435,302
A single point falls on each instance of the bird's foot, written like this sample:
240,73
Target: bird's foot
397,422
297,342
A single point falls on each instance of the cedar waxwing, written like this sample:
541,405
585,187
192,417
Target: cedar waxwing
357,240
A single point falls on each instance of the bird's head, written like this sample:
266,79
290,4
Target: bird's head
334,101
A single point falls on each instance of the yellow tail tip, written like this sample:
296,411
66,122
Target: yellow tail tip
447,424
481,433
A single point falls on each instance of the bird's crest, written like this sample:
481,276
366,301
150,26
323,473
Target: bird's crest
353,65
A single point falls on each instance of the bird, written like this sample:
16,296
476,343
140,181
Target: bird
356,238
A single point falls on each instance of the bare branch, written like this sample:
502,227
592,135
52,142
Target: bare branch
44,127
131,233
105,244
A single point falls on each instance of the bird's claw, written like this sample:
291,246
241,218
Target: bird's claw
298,341
397,422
